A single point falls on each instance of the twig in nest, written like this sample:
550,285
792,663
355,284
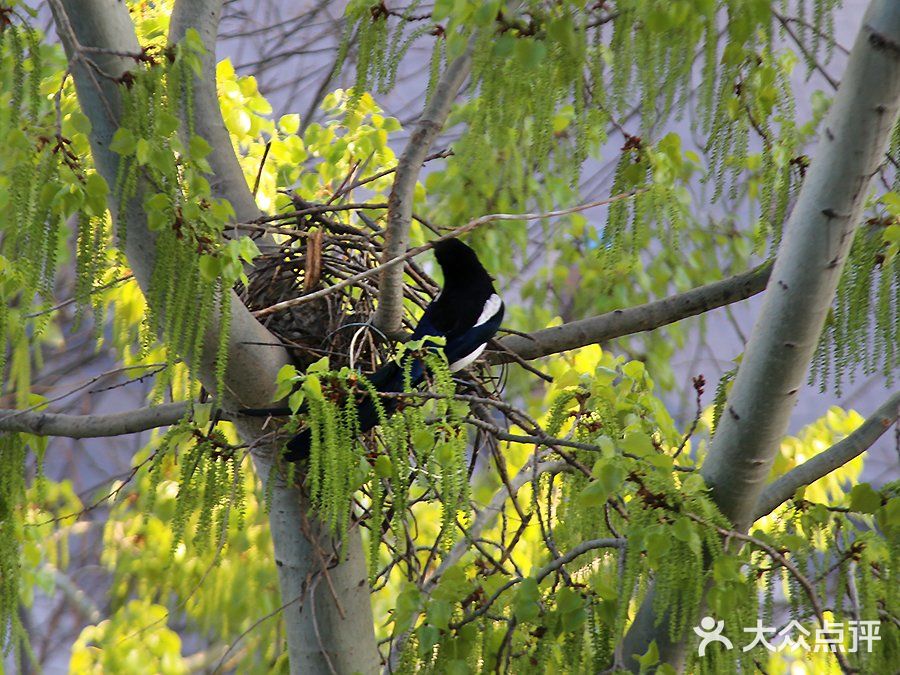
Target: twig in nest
313,260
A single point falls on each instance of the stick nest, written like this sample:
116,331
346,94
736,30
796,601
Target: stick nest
315,251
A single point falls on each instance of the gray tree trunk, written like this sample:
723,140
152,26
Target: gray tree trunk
328,616
813,250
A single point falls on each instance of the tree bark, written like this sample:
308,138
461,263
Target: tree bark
813,251
330,633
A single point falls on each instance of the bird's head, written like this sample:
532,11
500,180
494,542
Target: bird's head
458,261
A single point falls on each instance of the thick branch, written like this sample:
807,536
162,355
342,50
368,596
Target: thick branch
780,490
645,317
389,314
227,180
92,426
808,266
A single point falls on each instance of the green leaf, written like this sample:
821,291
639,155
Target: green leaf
423,439
80,122
248,249
634,370
123,142
607,447
863,499
312,385
438,613
166,123
391,124
525,606
568,600
891,233
595,494
650,658
486,12
198,147
428,638
286,372
289,124
442,9
142,151
407,605
384,468
638,443
530,52
693,484
96,190
504,45
283,388
193,41
210,266
454,585
562,31
320,366
657,543
202,413
296,400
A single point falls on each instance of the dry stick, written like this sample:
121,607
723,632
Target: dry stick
262,164
496,344
418,250
387,172
313,210
270,615
70,301
8,414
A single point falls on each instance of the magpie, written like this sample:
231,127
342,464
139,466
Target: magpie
466,313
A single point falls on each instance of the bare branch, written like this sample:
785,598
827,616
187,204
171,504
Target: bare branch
389,314
645,317
134,421
780,490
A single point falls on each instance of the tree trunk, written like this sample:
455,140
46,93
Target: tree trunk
335,632
813,250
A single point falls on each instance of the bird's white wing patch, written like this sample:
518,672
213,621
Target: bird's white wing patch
491,307
468,359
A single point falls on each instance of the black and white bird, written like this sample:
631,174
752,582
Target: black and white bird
466,313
